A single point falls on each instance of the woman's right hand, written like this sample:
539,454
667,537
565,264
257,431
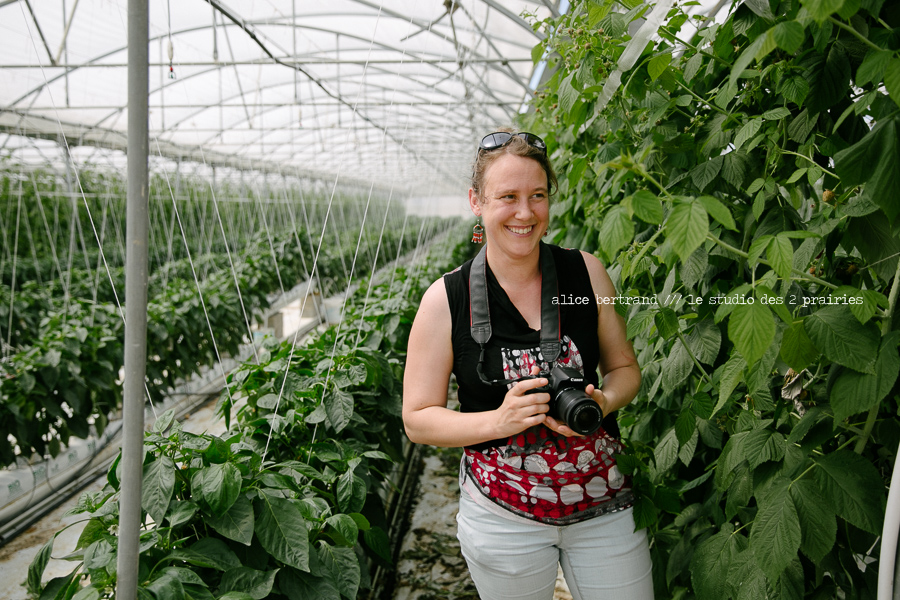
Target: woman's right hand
521,410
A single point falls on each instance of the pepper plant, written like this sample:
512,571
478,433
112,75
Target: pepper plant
289,502
740,184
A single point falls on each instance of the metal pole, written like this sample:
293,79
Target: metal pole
136,221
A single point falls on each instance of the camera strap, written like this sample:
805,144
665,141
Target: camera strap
480,316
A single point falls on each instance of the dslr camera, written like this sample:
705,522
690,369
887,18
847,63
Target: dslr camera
569,402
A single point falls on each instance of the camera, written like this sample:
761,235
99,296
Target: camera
569,402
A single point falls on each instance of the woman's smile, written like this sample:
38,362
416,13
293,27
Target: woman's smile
520,230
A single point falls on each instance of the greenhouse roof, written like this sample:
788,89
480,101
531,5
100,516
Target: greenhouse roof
395,92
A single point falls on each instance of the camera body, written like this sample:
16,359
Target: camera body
569,402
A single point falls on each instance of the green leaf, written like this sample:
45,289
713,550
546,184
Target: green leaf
760,8
166,587
687,228
872,161
158,486
164,420
789,35
677,366
780,253
344,566
731,375
568,95
775,536
892,80
256,584
351,492
377,540
752,328
218,485
745,133
794,89
718,211
209,552
712,559
339,407
237,523
855,392
616,231
822,9
797,350
776,114
840,337
705,172
281,529
685,426
703,405
647,207
297,585
666,322
345,526
818,526
665,455
37,567
749,54
873,67
692,67
694,269
180,512
658,64
734,168
830,80
853,487
705,340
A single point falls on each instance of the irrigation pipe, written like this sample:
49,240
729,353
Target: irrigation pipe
887,575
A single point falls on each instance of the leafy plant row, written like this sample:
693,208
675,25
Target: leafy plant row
740,182
65,376
289,502
49,230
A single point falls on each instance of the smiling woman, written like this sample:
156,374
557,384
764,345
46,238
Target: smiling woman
534,492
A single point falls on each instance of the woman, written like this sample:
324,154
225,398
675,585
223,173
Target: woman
534,493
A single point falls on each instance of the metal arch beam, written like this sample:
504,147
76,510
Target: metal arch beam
515,19
449,73
429,118
70,69
201,109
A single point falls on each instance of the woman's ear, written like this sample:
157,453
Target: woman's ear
474,204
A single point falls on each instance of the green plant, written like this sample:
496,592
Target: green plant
740,184
288,503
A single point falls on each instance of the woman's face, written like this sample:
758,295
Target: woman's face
514,204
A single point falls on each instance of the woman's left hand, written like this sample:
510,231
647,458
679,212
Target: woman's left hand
562,428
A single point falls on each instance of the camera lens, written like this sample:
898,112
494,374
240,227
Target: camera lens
580,412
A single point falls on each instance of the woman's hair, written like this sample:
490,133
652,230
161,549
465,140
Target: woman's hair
518,147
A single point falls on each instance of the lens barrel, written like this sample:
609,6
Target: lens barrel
578,410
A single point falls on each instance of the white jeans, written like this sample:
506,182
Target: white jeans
508,559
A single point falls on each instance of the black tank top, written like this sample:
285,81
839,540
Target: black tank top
511,334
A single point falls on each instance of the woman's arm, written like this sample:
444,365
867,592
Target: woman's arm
429,361
618,364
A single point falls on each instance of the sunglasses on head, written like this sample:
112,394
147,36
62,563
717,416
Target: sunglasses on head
498,139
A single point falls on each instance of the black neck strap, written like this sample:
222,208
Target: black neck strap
480,316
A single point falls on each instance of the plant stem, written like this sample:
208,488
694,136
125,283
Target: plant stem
855,33
810,160
742,254
885,329
699,99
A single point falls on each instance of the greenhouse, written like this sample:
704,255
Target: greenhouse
219,221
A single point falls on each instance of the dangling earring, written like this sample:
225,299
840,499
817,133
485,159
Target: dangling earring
477,233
